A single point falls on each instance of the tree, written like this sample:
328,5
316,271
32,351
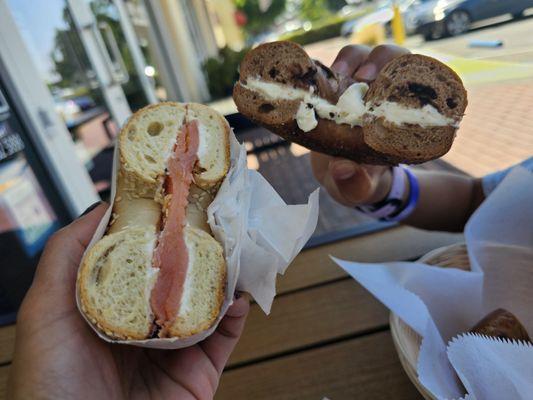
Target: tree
336,5
313,10
259,21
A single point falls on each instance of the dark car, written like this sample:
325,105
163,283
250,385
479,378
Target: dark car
436,19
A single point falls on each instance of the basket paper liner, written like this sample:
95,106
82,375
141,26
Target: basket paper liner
493,368
260,235
441,303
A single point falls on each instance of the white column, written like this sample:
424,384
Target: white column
96,50
46,129
136,54
182,64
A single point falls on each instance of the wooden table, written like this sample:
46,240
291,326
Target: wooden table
325,337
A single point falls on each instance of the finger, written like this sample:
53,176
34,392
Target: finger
221,343
348,182
349,59
319,165
63,252
342,169
355,189
376,60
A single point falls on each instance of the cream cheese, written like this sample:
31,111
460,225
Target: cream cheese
151,272
202,151
398,114
186,296
305,117
350,108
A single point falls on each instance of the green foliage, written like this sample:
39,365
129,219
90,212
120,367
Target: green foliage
327,29
313,10
258,21
222,72
335,5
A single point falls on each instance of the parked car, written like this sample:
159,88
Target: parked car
383,16
439,18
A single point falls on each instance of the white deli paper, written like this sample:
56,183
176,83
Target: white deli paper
260,234
441,303
506,366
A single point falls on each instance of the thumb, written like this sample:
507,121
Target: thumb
350,182
354,189
63,252
52,291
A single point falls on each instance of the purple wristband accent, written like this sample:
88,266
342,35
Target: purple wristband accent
414,194
390,205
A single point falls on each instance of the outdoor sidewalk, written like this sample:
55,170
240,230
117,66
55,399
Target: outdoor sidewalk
497,130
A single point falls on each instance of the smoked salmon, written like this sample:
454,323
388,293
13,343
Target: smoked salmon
170,255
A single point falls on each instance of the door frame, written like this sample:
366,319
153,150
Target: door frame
45,129
93,43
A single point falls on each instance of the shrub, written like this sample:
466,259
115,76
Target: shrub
221,72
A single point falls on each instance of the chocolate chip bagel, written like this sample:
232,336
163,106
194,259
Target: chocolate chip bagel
409,114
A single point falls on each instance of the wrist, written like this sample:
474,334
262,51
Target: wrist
400,200
382,189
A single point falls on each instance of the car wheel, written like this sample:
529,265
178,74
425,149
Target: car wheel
434,32
388,29
457,22
518,15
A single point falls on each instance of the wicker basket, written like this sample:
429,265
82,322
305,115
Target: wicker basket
406,340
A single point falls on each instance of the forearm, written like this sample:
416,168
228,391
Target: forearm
446,200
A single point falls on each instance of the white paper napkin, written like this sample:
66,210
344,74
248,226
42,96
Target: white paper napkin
441,303
492,368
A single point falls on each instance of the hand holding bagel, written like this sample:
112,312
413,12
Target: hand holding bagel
348,182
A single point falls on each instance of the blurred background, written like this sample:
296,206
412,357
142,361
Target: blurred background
72,71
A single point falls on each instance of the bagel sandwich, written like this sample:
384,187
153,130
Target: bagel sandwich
158,272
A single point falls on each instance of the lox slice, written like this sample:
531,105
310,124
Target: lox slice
171,255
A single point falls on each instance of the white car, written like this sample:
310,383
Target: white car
383,16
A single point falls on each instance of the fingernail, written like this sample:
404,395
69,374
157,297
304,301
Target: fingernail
91,207
367,72
343,170
340,67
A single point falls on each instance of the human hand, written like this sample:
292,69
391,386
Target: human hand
349,183
58,356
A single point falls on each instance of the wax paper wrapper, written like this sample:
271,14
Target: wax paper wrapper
493,368
260,235
441,303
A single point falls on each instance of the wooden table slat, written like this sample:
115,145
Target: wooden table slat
7,343
4,373
308,317
314,266
362,368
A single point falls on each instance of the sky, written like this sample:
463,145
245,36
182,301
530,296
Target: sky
37,21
